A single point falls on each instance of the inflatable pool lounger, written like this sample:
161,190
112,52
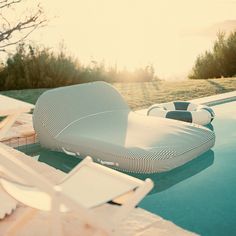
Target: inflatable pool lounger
93,120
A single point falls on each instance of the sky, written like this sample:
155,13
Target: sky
168,34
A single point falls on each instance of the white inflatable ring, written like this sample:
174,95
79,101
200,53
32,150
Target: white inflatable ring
184,111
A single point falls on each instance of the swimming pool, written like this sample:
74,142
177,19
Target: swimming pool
199,196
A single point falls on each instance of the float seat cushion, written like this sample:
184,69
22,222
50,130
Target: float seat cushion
82,120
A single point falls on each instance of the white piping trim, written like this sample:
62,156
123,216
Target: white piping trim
103,112
70,153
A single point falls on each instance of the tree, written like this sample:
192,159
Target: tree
16,29
219,62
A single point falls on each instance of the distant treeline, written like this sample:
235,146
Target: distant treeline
32,67
219,62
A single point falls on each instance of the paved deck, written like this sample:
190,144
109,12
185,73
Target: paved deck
21,133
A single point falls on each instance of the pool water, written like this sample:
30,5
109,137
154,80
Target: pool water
199,196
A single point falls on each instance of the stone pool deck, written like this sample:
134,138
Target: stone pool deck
21,133
139,223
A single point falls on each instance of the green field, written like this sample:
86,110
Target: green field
141,95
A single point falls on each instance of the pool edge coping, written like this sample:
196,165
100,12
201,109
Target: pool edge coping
209,100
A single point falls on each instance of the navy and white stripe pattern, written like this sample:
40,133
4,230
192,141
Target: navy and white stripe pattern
183,111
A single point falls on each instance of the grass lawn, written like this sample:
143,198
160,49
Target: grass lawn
142,95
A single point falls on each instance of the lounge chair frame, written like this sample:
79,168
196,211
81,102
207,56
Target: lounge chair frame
16,171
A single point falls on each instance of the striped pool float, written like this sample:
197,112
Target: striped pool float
184,111
94,120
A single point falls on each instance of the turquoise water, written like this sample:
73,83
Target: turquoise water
199,196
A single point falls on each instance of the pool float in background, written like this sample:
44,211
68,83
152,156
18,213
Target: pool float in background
183,111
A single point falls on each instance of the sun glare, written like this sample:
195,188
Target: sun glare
133,33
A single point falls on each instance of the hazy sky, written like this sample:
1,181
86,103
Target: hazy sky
133,33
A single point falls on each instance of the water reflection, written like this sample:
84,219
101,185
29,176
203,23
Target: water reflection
58,160
210,126
165,180
162,181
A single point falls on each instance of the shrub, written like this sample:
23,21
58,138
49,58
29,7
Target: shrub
220,62
32,67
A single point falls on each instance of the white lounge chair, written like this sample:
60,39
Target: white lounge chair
86,187
11,109
94,120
